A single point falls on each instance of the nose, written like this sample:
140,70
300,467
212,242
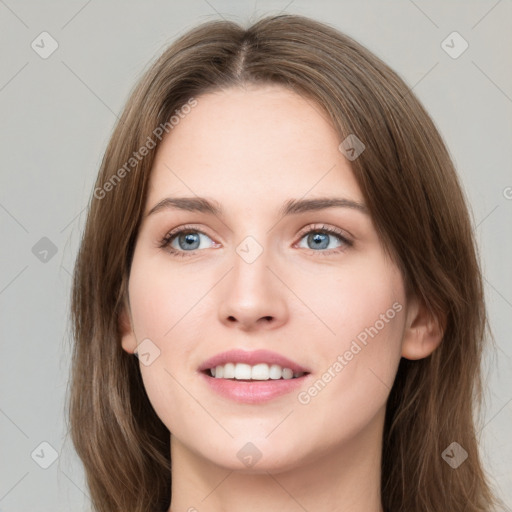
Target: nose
252,297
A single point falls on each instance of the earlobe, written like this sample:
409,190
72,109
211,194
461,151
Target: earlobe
128,340
423,332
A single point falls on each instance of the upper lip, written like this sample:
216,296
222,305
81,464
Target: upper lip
252,358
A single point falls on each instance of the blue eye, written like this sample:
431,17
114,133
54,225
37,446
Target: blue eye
184,241
321,239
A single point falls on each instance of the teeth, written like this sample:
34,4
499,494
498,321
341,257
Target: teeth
229,371
275,372
242,371
261,371
287,373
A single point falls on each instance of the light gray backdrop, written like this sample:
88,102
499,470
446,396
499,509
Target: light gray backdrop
57,112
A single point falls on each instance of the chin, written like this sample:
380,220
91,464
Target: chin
256,456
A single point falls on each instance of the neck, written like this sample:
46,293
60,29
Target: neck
346,479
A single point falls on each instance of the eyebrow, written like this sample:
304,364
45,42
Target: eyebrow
290,207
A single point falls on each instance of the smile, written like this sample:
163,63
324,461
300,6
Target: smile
261,371
252,377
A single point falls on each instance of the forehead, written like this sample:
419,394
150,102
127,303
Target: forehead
251,146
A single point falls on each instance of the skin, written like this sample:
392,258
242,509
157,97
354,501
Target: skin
251,149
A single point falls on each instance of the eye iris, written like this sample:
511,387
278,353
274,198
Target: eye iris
321,240
190,239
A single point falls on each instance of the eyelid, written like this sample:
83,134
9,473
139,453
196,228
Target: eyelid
322,226
179,230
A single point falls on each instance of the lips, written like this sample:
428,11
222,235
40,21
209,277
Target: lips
271,375
252,359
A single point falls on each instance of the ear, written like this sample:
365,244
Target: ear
423,331
128,340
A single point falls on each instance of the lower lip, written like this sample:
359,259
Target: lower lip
253,392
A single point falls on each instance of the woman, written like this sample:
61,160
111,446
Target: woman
277,288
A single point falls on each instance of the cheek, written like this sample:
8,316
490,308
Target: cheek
164,305
362,302
161,298
366,311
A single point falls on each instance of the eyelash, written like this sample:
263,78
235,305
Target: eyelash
167,240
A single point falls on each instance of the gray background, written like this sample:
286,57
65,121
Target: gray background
57,115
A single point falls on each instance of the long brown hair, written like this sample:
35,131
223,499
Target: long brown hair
417,205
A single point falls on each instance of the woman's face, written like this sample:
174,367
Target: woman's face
295,287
